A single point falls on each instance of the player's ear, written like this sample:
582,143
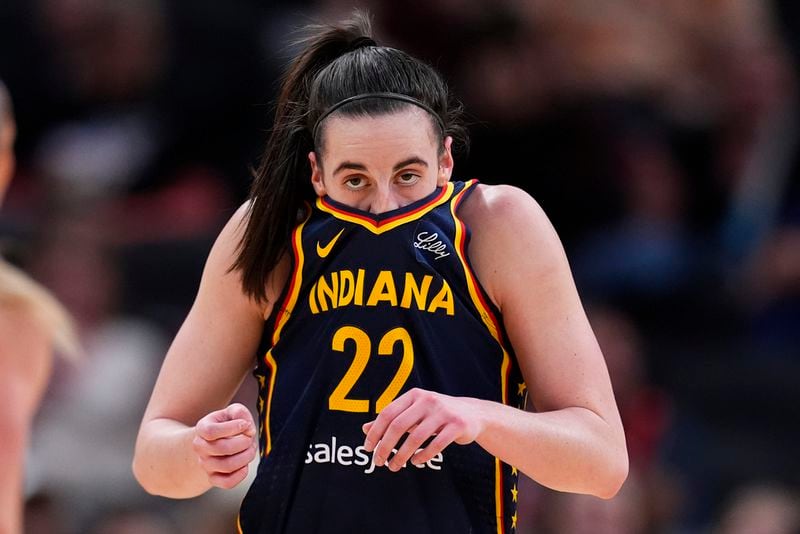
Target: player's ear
445,162
316,175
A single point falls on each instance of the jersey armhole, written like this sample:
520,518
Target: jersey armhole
293,278
480,297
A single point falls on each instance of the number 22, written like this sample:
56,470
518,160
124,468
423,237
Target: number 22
338,399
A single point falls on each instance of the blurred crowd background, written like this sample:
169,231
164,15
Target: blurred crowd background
662,137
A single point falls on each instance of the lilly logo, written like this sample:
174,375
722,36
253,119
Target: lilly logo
430,241
323,252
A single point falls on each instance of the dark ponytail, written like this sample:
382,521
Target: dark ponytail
336,62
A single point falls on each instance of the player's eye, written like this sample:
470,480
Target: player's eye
355,182
408,178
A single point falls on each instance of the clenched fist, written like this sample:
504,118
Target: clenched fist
225,443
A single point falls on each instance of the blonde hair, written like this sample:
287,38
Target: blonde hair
19,291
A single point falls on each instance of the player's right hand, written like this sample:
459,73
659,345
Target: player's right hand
225,443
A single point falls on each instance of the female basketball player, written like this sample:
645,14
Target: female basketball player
31,324
396,321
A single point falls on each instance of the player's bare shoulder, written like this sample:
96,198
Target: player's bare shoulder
511,235
222,258
495,208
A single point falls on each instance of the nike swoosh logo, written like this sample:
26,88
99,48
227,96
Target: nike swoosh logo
324,251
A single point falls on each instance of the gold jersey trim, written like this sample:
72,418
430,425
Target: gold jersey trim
480,301
384,225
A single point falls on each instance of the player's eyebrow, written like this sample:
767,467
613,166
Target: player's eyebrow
413,160
355,166
350,165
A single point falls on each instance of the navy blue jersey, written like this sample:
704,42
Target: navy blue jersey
377,305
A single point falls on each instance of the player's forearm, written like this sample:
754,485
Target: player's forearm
572,449
14,431
11,489
164,462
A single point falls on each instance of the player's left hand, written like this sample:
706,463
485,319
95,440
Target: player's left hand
421,414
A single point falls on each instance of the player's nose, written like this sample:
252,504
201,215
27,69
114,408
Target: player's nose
383,200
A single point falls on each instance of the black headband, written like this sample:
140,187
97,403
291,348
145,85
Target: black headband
388,96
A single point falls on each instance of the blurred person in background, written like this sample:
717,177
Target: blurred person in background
648,416
760,508
625,513
133,521
32,325
143,109
651,499
140,120
95,407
